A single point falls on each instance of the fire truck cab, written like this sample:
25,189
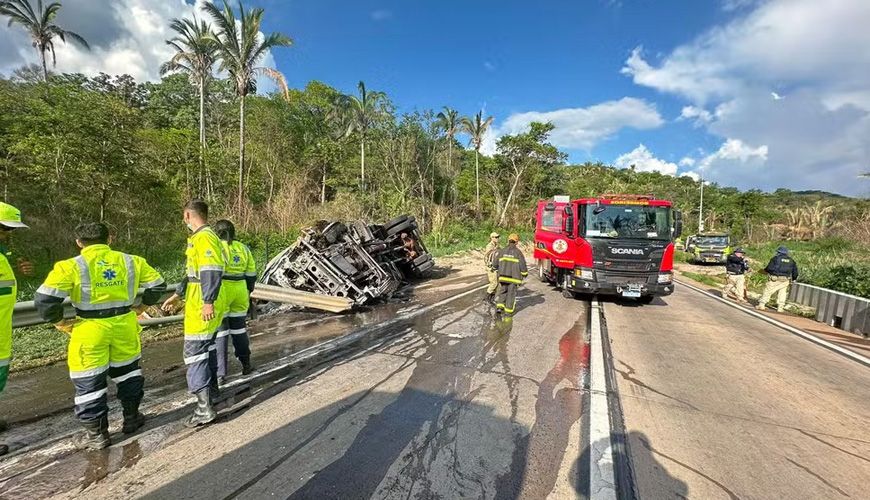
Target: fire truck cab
613,244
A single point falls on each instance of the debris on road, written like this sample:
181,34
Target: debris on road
357,261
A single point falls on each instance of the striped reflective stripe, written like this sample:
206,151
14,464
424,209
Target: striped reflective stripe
127,376
151,284
53,292
223,333
119,364
196,359
252,275
5,283
236,314
91,396
198,336
85,303
505,279
85,279
509,259
4,362
131,278
524,274
88,373
211,268
238,331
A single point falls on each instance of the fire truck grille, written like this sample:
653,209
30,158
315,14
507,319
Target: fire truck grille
616,265
622,278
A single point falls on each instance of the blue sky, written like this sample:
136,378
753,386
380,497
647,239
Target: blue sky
748,93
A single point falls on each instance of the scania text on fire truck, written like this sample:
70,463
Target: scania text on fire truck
612,244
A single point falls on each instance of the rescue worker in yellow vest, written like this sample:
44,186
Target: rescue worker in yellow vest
10,219
511,266
491,274
104,335
239,279
204,309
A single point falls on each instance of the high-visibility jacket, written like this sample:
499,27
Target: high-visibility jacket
206,261
8,292
102,285
510,264
239,277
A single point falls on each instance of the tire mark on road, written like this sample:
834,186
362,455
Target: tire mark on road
627,375
807,434
820,478
724,488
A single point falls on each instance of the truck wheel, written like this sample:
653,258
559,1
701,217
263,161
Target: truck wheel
422,259
424,268
401,228
395,222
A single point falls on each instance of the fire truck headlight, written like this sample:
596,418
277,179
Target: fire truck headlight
560,246
665,278
585,274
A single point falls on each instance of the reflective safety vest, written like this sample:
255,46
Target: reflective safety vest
100,282
205,252
240,261
8,292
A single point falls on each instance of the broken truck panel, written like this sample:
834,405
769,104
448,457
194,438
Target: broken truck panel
357,261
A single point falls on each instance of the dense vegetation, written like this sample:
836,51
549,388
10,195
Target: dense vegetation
76,148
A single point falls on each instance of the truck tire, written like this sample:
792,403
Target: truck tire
404,227
422,259
395,222
424,268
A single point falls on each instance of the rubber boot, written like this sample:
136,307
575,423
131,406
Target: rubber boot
247,368
96,435
133,420
204,412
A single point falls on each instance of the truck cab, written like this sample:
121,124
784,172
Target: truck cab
613,244
710,248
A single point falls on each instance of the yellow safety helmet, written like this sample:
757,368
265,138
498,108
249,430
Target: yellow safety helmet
514,237
10,216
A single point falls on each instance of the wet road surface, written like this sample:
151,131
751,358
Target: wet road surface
718,404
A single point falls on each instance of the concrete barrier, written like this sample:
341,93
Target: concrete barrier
840,310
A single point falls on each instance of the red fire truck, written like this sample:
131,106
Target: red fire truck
612,244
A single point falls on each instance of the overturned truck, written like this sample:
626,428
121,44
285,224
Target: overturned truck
357,261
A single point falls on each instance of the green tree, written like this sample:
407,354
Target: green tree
476,128
195,55
448,121
39,23
241,48
526,155
362,113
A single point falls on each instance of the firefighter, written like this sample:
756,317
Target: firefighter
491,272
104,335
511,266
781,271
204,309
736,267
10,219
239,279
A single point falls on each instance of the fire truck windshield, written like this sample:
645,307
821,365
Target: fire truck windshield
628,221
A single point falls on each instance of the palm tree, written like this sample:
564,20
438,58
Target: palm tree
363,112
448,120
195,55
40,24
241,48
476,129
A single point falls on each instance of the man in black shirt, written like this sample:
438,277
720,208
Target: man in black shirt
736,267
781,271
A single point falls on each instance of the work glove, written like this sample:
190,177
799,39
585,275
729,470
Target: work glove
66,325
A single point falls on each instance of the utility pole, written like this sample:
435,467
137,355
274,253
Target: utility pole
701,209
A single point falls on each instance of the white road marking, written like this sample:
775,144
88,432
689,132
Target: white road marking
800,333
602,481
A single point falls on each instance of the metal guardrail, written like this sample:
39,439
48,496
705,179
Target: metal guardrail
837,309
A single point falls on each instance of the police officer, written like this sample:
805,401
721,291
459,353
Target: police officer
491,273
204,309
510,264
10,219
239,279
736,267
104,335
781,271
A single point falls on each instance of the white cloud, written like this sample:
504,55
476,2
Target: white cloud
583,128
687,162
644,161
126,37
734,151
818,137
692,175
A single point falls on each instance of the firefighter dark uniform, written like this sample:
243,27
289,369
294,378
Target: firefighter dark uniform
206,262
781,271
239,279
510,264
104,341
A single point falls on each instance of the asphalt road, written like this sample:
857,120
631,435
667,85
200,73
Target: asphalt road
455,402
